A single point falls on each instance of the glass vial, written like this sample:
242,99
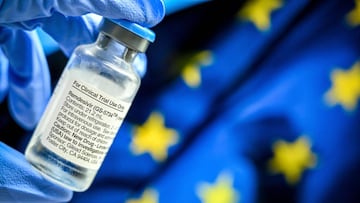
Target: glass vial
88,106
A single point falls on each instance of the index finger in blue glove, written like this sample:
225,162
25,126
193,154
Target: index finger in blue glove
144,12
19,182
70,31
81,30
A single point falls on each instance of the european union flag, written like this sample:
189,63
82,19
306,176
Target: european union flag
248,101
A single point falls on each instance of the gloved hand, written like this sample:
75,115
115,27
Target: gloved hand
20,183
24,76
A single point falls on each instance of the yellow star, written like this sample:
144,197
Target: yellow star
191,73
149,196
292,159
221,191
259,12
353,17
153,137
345,88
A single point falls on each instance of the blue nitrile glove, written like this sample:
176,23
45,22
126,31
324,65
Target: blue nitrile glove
19,182
27,82
24,74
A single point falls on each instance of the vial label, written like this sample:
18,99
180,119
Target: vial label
83,128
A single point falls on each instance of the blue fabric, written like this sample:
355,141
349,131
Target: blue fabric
24,73
262,89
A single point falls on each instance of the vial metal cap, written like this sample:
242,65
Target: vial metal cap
131,35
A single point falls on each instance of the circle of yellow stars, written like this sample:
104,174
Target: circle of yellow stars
291,159
220,191
345,89
153,137
353,17
259,12
191,71
148,196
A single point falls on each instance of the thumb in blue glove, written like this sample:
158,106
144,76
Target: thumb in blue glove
28,82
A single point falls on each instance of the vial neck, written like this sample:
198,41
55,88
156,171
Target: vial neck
119,50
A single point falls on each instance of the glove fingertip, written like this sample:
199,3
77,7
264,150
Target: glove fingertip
145,13
154,16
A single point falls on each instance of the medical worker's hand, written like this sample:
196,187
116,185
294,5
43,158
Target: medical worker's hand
24,74
19,183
